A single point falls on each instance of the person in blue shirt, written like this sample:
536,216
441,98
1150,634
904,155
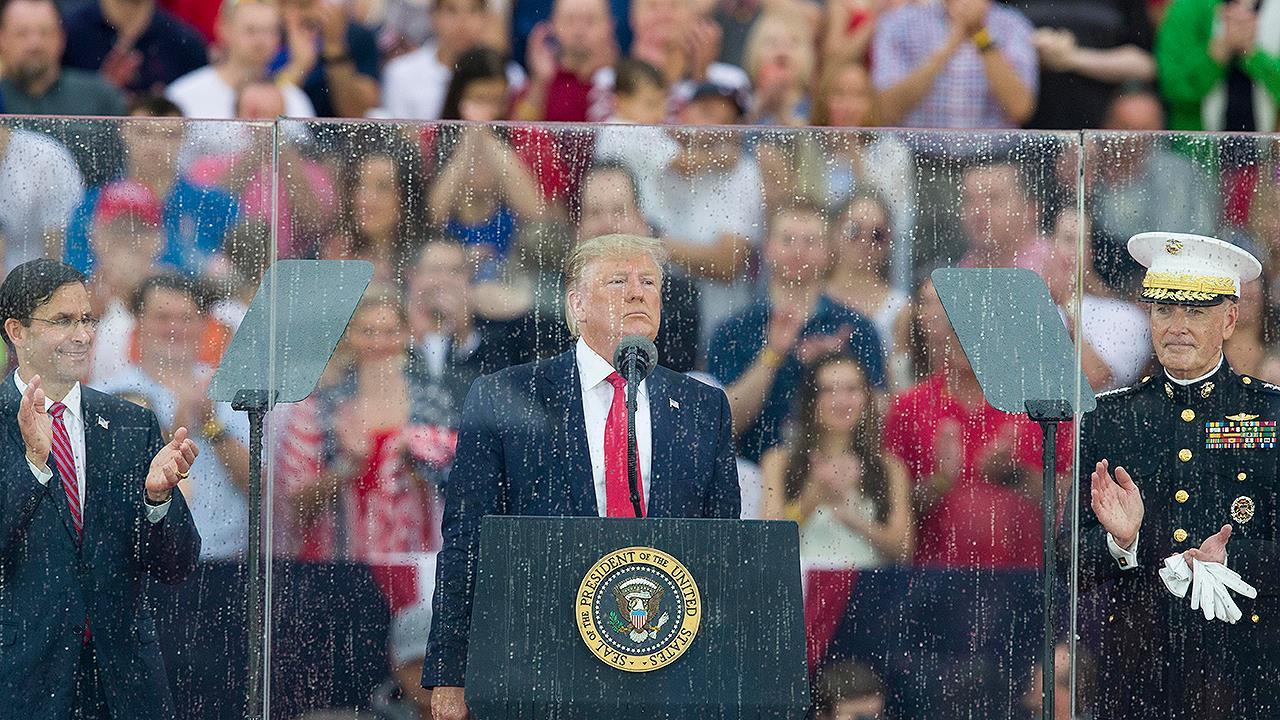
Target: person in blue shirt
761,352
194,218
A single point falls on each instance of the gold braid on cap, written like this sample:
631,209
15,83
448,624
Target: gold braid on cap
1182,287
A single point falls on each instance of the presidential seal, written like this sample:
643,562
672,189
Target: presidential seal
638,609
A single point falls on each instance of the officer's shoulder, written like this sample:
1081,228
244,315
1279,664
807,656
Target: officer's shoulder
1253,384
1126,392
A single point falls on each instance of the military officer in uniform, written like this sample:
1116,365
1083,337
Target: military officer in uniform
1183,462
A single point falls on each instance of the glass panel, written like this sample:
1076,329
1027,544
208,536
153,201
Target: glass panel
1168,436
169,252
795,280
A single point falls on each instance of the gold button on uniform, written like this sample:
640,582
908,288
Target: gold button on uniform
1181,496
1184,454
1179,535
1246,380
1242,476
1188,415
1255,617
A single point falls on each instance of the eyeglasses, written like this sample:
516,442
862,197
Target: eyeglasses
66,323
878,233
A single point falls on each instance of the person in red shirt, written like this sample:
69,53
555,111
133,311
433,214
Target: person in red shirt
976,470
564,58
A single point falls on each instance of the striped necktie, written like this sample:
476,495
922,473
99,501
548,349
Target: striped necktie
66,463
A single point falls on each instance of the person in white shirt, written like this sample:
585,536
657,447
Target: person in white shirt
92,514
175,384
249,34
40,185
414,84
519,455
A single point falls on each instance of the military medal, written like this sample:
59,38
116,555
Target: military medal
1242,509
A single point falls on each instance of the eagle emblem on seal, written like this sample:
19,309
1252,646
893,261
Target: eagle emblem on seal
637,615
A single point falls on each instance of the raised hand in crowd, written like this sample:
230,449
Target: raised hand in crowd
968,16
996,462
542,54
302,39
1237,28
841,479
1056,48
849,27
703,40
948,463
194,405
815,346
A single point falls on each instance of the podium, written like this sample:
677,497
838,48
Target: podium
578,618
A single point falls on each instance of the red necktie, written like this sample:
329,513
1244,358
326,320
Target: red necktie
66,463
617,491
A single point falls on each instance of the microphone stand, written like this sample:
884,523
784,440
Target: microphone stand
633,454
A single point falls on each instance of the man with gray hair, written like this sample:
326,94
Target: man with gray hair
549,438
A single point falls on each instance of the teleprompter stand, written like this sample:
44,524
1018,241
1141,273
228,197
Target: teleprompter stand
277,355
1016,342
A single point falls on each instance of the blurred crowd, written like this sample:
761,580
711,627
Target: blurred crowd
801,242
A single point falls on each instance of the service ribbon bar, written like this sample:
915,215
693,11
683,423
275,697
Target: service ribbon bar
1247,435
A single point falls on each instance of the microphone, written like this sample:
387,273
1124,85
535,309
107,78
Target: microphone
635,358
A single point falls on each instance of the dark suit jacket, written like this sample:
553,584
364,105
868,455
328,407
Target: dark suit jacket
48,585
522,450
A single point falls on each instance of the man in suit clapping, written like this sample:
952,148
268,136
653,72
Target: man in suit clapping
89,509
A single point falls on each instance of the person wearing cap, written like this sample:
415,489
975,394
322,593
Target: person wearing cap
1178,471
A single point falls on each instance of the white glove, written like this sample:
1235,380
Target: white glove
1208,583
1231,579
1176,575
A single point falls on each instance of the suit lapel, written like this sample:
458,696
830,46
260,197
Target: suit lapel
558,383
662,420
11,400
97,450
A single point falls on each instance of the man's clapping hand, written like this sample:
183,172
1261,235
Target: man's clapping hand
170,466
35,424
1117,503
448,703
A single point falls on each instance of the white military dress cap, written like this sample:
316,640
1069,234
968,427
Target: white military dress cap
1188,269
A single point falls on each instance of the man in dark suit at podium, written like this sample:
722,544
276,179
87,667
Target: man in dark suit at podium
89,508
549,438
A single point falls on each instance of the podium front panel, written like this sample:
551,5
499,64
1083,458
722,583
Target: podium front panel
529,660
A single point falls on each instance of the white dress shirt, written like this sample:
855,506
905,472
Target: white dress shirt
597,397
73,420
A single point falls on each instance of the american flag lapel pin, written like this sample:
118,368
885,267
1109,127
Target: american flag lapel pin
674,404
102,422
